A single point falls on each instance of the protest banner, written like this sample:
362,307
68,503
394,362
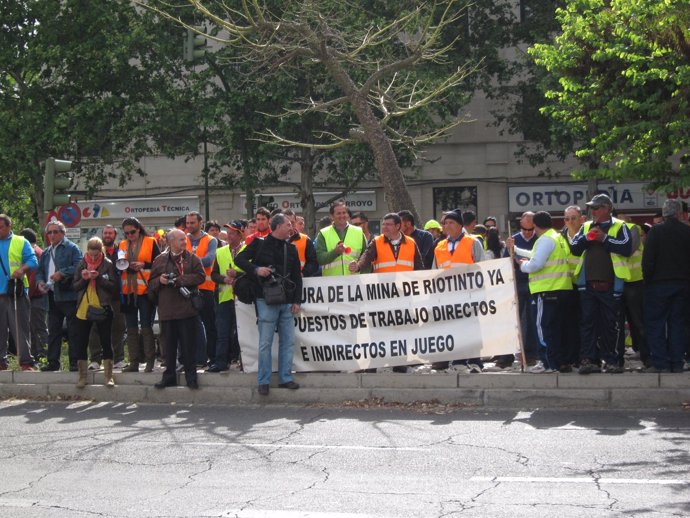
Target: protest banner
382,320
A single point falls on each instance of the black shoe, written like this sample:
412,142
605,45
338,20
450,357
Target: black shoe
263,390
193,384
215,368
165,383
654,370
587,367
565,368
48,367
289,385
73,368
614,369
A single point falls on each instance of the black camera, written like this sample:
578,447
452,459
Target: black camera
171,278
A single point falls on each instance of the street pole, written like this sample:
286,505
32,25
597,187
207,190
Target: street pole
206,200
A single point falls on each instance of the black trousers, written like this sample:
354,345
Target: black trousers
58,312
180,333
82,330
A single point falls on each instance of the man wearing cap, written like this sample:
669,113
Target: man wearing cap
434,227
223,274
456,249
666,270
603,246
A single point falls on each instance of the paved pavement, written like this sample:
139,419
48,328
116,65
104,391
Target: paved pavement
176,460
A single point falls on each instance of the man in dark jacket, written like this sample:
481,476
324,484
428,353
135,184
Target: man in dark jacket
174,275
666,273
263,258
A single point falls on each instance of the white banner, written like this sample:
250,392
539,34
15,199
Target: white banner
382,320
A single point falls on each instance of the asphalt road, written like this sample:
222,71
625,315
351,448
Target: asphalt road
118,460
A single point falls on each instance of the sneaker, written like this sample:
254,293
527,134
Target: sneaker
587,367
119,365
613,369
458,368
474,368
94,366
538,368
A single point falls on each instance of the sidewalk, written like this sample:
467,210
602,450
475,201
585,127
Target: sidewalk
487,390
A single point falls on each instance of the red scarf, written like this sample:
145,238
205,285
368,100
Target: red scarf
93,264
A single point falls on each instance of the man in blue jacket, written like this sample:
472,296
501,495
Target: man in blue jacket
54,277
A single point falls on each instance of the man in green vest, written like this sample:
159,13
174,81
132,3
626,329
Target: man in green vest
550,284
603,246
17,259
339,244
223,274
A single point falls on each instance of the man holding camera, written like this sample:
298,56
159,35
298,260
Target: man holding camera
175,275
17,258
54,277
273,260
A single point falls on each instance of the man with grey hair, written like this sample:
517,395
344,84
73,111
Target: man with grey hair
54,277
263,259
666,270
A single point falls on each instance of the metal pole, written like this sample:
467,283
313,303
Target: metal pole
206,200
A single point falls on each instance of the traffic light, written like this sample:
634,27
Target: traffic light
194,45
56,180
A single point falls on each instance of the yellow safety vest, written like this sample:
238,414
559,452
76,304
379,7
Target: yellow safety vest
15,256
635,260
555,275
620,263
353,240
225,261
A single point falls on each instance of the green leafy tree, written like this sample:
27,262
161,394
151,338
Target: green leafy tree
618,77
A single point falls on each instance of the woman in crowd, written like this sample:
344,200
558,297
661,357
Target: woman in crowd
494,246
139,249
96,285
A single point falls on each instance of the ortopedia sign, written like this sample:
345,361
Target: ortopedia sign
378,320
142,208
557,197
355,201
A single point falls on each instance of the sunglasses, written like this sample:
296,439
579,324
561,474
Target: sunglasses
131,232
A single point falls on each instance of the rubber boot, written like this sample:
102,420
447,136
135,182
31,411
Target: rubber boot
108,380
149,348
132,350
83,367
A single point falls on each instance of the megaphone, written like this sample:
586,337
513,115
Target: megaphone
122,263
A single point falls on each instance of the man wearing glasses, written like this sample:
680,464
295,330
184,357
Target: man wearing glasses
603,246
524,240
54,277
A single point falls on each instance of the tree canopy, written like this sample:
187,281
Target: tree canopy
618,84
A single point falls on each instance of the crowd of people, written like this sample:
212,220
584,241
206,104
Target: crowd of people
576,288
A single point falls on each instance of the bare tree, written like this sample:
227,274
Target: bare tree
373,65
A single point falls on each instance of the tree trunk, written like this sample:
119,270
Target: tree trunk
306,194
397,195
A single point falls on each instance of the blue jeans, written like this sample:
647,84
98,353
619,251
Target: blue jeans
664,315
269,317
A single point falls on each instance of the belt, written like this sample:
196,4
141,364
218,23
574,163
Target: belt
600,285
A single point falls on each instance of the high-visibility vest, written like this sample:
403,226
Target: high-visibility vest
620,263
225,260
15,256
481,238
555,275
573,260
145,256
461,255
353,240
301,245
635,260
200,252
386,261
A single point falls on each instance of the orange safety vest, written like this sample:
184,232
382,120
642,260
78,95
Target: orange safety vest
301,245
145,256
461,255
386,261
200,252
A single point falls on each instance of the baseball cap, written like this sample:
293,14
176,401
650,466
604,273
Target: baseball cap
432,223
235,225
600,200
